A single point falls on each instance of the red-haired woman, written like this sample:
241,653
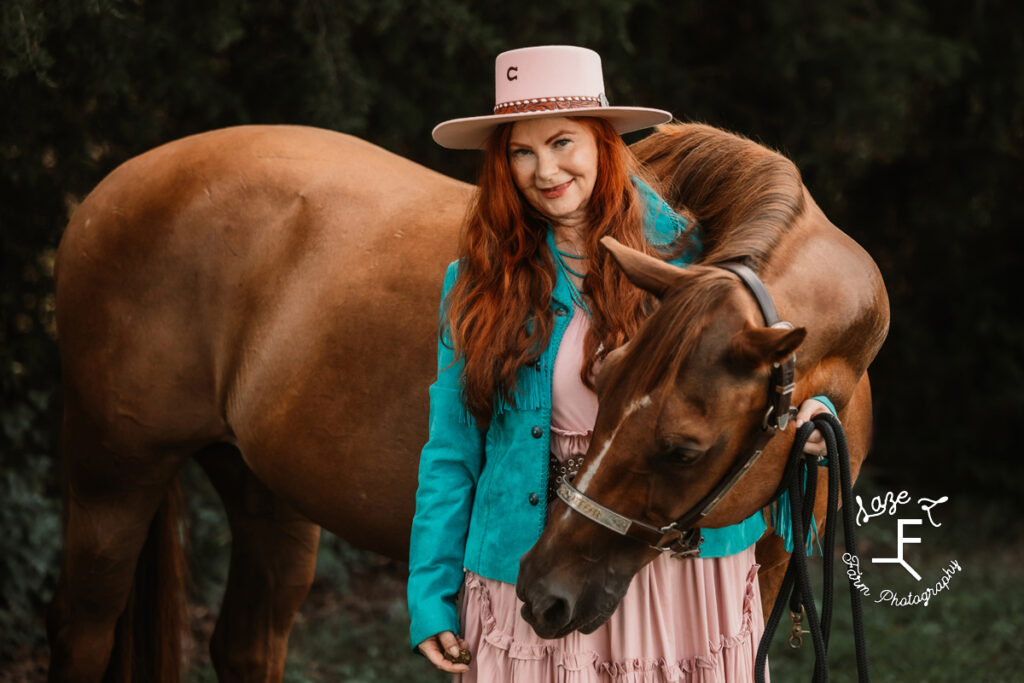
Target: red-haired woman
529,307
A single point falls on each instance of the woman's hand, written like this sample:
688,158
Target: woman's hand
434,647
808,409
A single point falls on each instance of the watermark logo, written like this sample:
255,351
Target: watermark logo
889,505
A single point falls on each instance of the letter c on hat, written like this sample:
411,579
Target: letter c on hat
512,70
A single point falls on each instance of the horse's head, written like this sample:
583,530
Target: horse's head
679,405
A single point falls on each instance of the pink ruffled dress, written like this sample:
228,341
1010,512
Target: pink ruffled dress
696,620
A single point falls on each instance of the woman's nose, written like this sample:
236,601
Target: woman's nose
547,167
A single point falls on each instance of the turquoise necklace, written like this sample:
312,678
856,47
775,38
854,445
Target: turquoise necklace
577,297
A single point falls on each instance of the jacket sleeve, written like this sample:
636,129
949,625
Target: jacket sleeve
449,468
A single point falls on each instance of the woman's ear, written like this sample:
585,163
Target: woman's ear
646,272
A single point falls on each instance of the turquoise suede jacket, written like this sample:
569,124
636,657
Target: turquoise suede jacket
481,499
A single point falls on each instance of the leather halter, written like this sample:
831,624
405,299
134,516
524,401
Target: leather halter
682,538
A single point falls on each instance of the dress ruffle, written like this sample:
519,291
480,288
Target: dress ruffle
567,443
710,639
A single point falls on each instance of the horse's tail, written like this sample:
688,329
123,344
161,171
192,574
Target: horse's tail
148,638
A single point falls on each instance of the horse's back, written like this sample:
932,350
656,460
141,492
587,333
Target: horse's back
830,285
272,286
257,196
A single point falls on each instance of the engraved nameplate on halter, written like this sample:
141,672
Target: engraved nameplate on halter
592,510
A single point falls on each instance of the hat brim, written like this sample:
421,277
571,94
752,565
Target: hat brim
472,132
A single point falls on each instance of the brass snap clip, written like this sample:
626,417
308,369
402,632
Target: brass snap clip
796,635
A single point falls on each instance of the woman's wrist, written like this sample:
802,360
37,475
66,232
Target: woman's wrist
825,401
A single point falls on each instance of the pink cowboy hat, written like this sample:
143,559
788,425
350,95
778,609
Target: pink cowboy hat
552,80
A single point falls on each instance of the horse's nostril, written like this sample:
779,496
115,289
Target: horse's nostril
556,614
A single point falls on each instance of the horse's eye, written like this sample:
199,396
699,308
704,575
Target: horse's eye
683,455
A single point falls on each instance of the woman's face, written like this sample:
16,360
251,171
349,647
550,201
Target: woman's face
554,165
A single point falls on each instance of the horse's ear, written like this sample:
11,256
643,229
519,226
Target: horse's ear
756,346
646,272
613,357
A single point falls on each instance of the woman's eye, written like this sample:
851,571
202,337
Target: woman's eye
518,153
562,142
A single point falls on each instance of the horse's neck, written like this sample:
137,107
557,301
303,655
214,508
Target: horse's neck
823,280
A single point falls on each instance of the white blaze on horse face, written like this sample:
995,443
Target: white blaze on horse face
636,405
633,407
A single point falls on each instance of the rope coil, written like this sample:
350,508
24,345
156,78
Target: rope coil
796,585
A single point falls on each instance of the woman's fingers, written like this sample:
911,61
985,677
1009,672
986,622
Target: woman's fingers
434,647
815,444
431,651
449,643
808,409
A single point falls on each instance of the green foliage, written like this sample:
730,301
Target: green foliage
29,504
906,119
29,553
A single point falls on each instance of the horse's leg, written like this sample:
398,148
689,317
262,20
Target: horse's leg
772,556
112,491
273,559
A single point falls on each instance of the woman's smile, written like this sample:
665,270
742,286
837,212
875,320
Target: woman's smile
556,191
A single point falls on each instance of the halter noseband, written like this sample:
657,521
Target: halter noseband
682,538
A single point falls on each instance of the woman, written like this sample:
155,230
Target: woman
529,309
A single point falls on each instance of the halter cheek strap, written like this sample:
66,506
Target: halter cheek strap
784,373
681,543
681,537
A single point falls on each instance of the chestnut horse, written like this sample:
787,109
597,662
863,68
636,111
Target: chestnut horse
688,395
262,299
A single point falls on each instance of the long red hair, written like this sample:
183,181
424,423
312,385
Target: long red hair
497,316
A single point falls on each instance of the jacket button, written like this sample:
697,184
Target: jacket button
534,499
561,310
537,432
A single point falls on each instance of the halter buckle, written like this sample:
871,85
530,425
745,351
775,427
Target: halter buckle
786,417
682,544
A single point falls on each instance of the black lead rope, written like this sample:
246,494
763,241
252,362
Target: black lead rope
796,585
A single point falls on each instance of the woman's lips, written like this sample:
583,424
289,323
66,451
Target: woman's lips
557,190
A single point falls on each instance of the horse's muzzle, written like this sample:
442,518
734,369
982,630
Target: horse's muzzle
570,597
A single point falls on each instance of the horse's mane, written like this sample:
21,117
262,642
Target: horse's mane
744,196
